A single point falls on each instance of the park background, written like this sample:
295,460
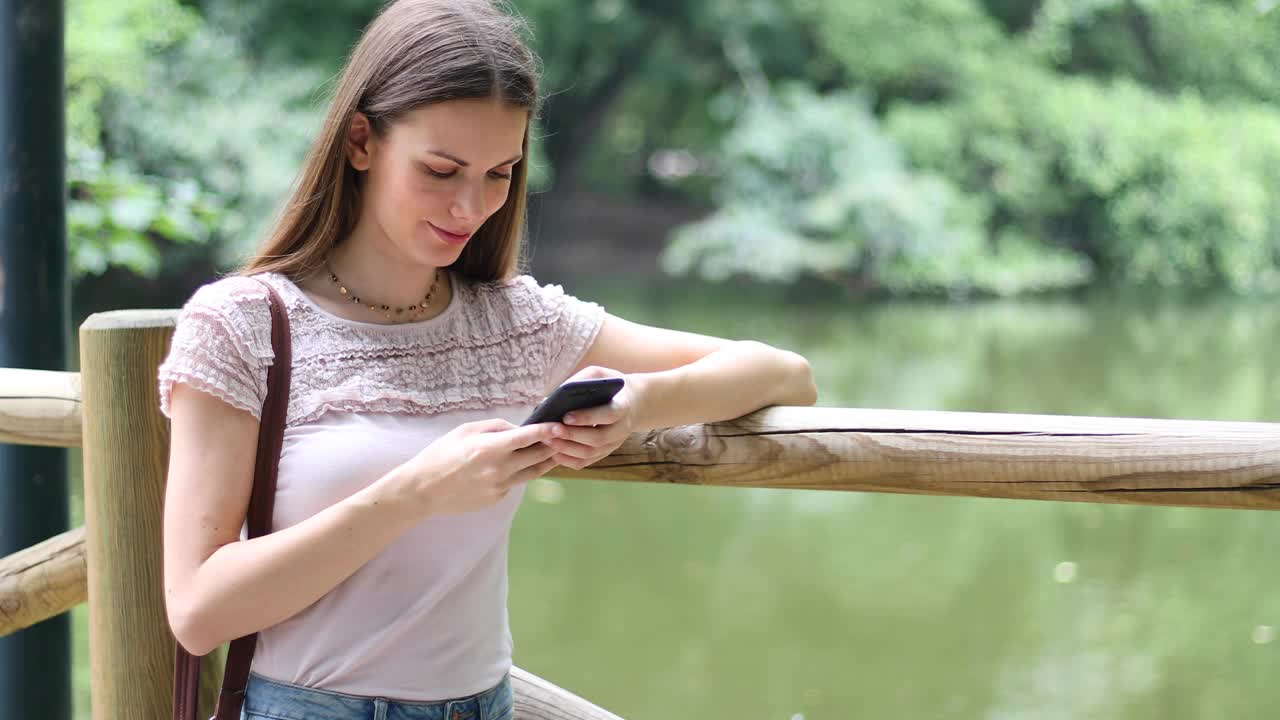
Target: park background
1041,206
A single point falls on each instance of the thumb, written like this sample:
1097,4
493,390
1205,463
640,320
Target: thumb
491,425
595,372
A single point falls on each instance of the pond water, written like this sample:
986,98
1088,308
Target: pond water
725,603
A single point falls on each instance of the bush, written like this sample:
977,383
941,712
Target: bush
1154,189
810,184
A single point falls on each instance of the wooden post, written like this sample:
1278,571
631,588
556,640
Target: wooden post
126,442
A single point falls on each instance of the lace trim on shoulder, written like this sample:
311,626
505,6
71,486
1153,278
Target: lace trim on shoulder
222,345
497,347
208,383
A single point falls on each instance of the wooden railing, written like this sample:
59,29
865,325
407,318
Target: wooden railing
1208,464
114,561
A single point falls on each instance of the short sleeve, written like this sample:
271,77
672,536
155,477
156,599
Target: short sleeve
222,345
573,327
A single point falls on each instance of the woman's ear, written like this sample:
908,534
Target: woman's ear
359,144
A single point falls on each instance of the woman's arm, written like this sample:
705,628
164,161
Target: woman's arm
218,588
736,379
682,377
676,378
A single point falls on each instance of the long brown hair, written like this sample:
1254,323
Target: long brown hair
415,52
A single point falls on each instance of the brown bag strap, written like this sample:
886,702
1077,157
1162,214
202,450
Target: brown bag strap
186,684
186,687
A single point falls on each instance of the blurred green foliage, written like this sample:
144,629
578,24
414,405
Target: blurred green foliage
1139,138
944,147
817,186
1152,189
117,210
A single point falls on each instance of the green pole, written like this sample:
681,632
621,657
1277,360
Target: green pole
35,664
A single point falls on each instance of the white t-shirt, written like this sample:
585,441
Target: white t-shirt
426,619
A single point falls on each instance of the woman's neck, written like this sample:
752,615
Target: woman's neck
378,279
375,267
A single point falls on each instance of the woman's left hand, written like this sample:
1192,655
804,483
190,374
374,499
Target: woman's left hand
586,436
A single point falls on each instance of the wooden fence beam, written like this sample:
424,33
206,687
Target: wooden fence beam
1041,457
538,699
40,407
42,581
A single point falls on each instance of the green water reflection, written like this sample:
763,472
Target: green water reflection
670,602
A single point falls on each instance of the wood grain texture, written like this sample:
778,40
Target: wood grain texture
42,581
126,443
211,667
1043,457
538,699
40,407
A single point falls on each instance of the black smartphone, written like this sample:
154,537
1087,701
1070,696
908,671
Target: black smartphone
574,395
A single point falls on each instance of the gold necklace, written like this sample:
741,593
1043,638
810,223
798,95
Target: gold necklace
387,311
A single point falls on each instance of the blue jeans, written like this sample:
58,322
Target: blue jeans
272,700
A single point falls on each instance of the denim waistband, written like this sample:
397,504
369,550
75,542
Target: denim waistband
275,700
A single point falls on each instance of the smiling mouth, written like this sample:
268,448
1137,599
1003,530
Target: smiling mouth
450,237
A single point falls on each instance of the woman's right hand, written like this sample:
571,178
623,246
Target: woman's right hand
475,465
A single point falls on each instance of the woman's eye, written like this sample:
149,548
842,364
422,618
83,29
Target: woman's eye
444,175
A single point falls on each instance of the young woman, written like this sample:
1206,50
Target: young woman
417,347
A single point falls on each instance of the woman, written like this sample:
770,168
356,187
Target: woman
417,347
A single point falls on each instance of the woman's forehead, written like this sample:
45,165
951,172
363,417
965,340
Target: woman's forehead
474,131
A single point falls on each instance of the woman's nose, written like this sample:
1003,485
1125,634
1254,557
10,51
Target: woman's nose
468,204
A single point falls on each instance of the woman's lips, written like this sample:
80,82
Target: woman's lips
450,237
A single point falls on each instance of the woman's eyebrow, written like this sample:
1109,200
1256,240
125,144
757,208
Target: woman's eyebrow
464,163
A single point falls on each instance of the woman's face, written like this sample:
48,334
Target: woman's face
436,175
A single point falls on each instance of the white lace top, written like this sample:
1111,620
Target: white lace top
426,619
502,343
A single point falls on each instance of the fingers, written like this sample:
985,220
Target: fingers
584,435
578,447
572,449
593,372
531,473
575,463
602,415
522,437
529,456
487,426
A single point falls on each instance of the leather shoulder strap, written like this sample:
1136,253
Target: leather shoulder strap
261,504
